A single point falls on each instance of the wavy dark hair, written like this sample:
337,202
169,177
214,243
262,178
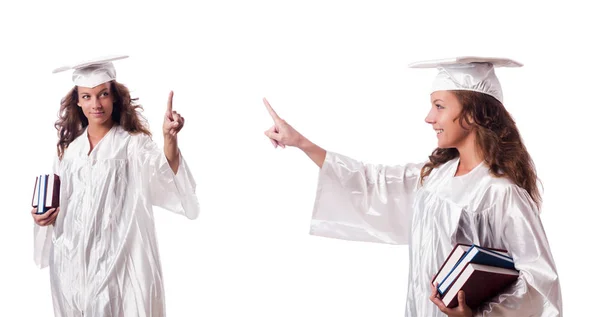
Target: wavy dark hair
497,138
72,122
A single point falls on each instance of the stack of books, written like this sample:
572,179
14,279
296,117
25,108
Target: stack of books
479,272
46,193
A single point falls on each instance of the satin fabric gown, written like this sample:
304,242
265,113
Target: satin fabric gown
102,250
388,204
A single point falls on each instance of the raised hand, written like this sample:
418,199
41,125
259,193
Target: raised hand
281,133
173,122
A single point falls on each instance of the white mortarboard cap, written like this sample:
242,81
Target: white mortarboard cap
468,73
92,73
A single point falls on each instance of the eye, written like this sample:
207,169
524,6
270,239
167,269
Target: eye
85,97
104,94
439,107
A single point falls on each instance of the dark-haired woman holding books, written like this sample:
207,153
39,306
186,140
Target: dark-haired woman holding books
479,186
101,245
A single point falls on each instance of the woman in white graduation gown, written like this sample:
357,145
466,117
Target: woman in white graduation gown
478,187
100,244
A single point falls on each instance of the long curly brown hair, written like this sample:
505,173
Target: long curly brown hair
497,138
72,122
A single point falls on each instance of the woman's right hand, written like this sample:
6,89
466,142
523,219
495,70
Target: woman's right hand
46,218
281,133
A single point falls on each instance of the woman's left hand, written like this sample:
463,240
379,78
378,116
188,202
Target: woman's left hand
173,121
462,310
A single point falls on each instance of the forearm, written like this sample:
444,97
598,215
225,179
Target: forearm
172,153
316,153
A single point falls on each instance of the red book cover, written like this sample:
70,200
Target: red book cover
480,283
52,191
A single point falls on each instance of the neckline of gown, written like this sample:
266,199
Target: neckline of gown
88,153
471,172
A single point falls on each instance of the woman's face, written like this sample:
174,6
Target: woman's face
443,117
96,103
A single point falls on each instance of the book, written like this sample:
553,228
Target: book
477,255
480,283
46,193
455,255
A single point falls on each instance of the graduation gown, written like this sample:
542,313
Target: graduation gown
102,250
388,204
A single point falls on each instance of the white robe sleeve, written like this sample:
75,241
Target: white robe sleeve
174,192
42,235
42,241
364,202
537,290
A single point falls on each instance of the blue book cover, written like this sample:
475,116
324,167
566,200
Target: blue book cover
476,255
41,194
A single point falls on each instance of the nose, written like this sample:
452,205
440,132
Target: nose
430,118
97,103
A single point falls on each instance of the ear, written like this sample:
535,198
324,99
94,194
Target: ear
469,122
466,122
469,118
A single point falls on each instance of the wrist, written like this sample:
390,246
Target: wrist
169,139
304,144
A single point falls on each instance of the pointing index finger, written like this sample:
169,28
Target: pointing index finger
170,103
272,112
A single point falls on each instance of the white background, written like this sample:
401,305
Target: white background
335,70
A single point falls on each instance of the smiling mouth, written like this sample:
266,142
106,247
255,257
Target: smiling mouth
439,131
